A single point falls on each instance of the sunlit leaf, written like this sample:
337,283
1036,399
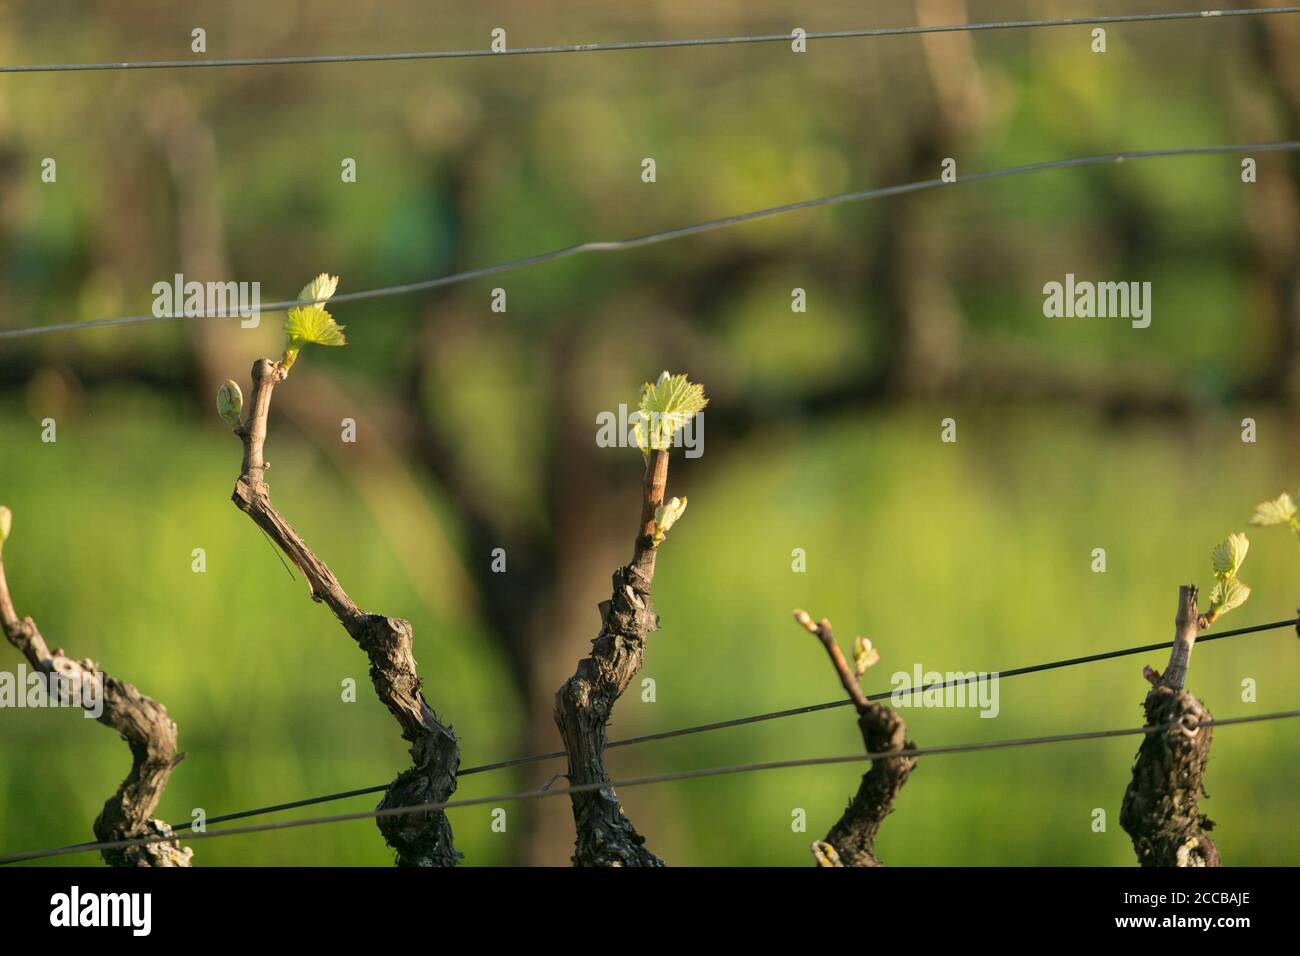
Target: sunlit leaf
666,516
864,655
1228,555
311,324
665,408
319,288
1279,511
1228,593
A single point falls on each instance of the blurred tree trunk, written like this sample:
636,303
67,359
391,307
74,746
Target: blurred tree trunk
926,342
1274,210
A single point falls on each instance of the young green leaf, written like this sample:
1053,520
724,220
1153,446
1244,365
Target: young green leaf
1281,510
666,516
864,655
665,408
1228,593
1228,555
319,289
311,324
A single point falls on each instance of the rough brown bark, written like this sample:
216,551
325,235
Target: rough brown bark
142,722
1161,812
584,703
420,839
852,840
854,834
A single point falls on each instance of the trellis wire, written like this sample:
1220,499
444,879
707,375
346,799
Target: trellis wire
741,721
543,792
867,32
619,245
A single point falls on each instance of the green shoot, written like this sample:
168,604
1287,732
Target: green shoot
666,407
1228,592
864,654
666,516
1281,510
311,324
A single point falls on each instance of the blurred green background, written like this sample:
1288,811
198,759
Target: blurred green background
476,428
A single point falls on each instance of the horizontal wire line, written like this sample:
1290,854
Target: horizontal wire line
678,232
678,775
867,32
753,719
